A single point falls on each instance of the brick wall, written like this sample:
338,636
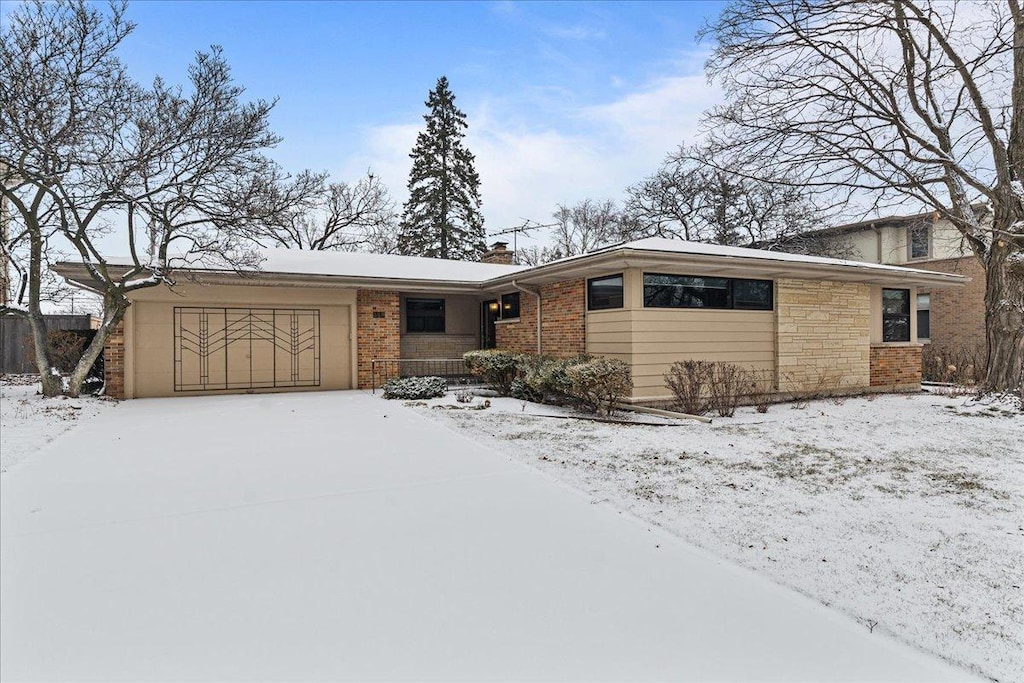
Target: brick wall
958,313
563,321
823,336
377,336
113,362
896,367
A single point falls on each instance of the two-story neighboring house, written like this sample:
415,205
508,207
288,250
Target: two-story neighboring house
952,321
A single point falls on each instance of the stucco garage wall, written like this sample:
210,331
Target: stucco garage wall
149,338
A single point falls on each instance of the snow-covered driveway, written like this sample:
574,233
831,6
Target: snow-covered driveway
339,536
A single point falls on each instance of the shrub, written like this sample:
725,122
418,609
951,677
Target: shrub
689,382
496,367
964,366
728,382
411,388
598,384
761,389
545,378
524,392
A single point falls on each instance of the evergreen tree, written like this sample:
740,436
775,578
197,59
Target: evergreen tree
442,218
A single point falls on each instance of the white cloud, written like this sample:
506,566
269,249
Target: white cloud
528,163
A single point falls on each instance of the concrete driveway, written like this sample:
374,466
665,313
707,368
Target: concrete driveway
340,536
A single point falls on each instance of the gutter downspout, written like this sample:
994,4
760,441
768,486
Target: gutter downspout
536,295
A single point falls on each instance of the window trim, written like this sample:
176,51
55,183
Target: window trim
590,284
443,315
907,315
729,288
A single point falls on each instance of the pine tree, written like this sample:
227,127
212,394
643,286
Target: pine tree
442,218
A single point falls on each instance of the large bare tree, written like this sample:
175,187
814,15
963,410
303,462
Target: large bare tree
335,217
907,101
690,197
85,150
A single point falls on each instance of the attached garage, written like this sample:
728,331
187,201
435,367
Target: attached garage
229,339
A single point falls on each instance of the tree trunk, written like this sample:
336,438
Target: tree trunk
48,378
1004,318
95,348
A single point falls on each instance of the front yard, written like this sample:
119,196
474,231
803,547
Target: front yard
906,512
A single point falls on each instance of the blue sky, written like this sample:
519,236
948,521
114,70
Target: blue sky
564,100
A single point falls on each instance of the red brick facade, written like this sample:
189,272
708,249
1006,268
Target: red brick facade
113,362
958,313
563,321
378,333
896,367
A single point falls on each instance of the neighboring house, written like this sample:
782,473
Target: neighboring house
318,320
952,319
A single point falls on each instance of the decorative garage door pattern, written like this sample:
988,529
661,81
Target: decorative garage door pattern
246,348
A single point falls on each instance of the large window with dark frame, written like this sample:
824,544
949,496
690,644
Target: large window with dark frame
896,315
424,315
919,241
604,293
510,306
697,291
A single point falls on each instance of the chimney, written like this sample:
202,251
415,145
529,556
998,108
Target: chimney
499,253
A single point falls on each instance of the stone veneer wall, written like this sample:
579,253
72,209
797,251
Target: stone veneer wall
823,336
958,313
377,337
113,363
563,321
437,345
896,367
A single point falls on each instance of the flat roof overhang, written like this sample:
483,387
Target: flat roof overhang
588,265
725,266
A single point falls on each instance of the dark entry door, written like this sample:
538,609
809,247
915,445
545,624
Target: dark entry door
488,314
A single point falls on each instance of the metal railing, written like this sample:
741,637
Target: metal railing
453,370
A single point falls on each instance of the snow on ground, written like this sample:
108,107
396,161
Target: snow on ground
28,420
906,512
338,536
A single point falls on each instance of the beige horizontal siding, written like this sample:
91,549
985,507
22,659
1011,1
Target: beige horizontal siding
651,340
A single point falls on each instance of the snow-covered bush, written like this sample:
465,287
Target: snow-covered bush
545,377
524,392
495,367
410,388
598,384
690,382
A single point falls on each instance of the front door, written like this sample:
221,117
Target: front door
488,314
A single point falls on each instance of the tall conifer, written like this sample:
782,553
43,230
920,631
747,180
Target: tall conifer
441,218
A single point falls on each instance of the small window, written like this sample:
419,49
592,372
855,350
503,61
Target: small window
924,316
919,239
509,306
896,315
689,291
424,315
604,292
752,295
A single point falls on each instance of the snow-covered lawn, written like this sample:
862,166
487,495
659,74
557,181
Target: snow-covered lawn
338,536
28,421
905,512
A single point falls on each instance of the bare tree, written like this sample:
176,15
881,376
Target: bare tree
585,226
84,150
692,198
335,216
902,100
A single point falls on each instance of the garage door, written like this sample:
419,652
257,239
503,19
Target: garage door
199,349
